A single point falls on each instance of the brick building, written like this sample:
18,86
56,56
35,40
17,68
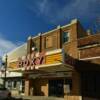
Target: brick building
89,61
57,62
55,73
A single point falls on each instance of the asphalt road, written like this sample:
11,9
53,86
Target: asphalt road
11,98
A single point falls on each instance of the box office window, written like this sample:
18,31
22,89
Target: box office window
65,37
48,42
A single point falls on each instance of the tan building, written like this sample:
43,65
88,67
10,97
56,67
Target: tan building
14,77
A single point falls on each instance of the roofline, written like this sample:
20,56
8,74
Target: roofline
88,46
72,22
60,27
16,49
88,36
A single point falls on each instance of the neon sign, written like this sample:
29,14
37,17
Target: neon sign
31,60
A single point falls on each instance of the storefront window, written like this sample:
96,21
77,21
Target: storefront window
14,84
56,88
9,86
23,86
68,83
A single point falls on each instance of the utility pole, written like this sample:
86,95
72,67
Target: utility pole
5,71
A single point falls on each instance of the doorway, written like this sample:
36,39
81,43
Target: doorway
56,88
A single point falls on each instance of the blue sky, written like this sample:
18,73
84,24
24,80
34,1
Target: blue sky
22,18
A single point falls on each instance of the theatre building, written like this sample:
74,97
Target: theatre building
56,61
48,68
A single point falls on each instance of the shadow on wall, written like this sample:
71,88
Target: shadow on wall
90,79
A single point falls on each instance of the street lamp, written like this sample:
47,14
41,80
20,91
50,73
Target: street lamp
5,69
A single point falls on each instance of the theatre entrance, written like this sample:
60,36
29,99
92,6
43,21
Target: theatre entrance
56,88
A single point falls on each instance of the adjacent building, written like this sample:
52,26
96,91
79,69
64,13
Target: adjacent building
89,63
14,78
53,73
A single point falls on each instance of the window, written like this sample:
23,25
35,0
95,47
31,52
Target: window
9,84
65,37
68,83
56,88
48,42
36,45
15,84
23,86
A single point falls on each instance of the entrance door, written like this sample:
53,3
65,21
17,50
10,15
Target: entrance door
56,88
90,85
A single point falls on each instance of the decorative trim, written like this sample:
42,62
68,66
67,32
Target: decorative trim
90,58
54,52
30,37
48,65
89,46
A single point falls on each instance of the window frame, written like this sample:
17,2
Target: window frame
65,38
46,43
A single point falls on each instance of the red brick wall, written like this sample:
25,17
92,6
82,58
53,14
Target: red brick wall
90,52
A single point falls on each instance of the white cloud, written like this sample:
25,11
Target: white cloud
7,45
53,11
39,7
42,6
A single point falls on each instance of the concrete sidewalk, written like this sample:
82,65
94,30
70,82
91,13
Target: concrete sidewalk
39,98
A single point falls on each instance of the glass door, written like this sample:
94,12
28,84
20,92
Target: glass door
56,88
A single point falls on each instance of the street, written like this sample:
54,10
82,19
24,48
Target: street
36,98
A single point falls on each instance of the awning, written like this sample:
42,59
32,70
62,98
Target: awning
57,68
54,71
47,71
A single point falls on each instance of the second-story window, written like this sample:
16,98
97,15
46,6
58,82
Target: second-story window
48,43
35,45
65,37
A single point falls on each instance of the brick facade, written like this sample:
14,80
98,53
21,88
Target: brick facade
53,40
89,48
79,46
89,66
90,52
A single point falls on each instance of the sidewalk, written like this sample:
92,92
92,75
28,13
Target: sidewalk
39,98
